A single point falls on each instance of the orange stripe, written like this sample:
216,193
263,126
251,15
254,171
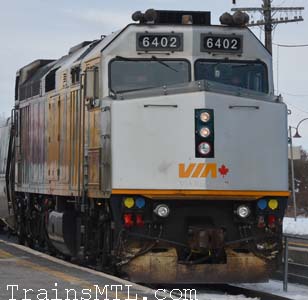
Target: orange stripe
200,193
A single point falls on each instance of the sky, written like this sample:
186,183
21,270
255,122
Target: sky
34,29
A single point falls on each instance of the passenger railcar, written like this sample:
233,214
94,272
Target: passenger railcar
158,152
6,209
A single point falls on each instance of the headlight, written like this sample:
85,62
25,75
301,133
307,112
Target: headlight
162,210
243,211
129,202
204,148
205,117
204,132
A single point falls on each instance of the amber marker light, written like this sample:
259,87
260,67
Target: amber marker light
273,204
129,202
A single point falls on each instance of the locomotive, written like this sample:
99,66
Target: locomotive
158,152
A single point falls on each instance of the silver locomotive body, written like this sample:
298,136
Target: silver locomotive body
159,151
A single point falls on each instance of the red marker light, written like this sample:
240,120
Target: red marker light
128,220
139,221
271,221
261,222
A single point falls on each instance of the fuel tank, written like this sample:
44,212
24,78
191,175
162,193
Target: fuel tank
62,232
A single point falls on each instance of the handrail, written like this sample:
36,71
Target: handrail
298,237
286,238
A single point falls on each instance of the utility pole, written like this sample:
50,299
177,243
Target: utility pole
268,27
269,19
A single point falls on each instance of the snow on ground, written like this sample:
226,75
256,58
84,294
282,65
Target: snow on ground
295,291
222,297
298,227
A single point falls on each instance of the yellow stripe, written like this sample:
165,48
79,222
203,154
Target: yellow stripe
201,194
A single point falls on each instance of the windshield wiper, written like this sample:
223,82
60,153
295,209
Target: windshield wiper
163,63
125,58
160,61
136,89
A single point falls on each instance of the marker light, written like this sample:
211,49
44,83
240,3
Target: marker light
205,117
162,210
140,202
128,220
139,221
129,202
262,204
271,221
273,204
261,222
243,211
204,132
204,148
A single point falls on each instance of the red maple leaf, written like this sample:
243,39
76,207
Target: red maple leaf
223,170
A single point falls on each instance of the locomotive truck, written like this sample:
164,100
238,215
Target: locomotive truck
158,152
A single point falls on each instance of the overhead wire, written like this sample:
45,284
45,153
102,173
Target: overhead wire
295,95
289,46
282,3
296,107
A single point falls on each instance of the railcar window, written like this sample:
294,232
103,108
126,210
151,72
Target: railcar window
130,75
50,80
17,87
247,75
75,73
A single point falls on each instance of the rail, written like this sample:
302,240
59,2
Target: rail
286,238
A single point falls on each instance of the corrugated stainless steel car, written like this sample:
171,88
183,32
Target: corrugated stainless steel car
159,152
6,211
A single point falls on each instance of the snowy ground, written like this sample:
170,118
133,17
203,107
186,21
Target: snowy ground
295,291
300,227
222,297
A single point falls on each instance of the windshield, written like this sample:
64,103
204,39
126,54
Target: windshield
247,75
129,75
